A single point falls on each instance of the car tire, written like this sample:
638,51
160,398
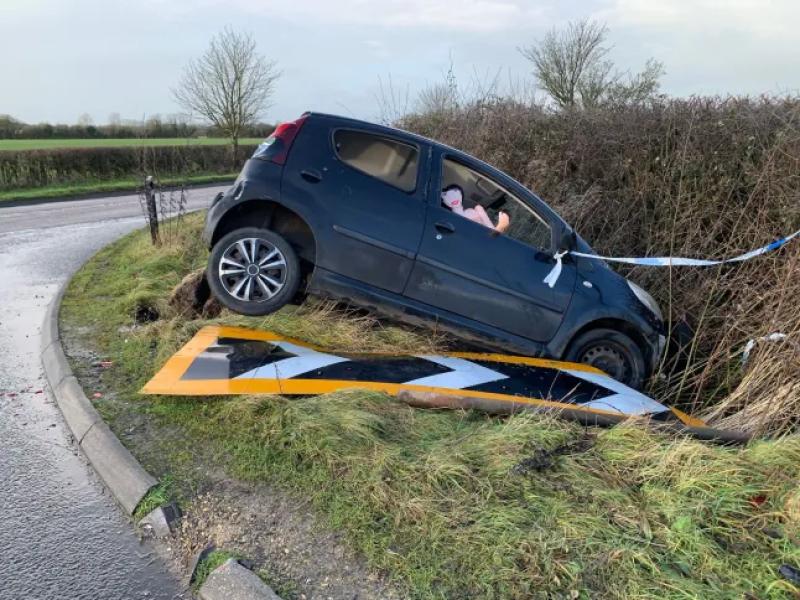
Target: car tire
253,285
612,352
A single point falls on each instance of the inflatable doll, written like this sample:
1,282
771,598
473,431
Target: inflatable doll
452,198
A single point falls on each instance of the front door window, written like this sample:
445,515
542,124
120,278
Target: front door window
524,225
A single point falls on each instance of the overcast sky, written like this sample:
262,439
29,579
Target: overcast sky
62,58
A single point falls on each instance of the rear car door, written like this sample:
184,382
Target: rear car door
367,182
494,279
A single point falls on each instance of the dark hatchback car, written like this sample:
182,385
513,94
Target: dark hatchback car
341,208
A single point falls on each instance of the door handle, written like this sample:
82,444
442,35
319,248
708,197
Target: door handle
311,175
445,227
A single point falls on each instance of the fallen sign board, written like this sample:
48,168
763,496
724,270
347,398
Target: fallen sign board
222,360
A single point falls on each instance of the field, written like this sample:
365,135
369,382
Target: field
17,145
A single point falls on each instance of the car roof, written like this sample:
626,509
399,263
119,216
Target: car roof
396,131
389,130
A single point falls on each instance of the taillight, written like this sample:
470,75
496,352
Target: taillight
276,147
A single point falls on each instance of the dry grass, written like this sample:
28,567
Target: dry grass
757,404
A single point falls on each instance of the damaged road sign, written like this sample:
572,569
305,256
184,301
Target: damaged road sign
231,360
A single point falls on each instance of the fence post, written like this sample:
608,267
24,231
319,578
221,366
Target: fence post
152,210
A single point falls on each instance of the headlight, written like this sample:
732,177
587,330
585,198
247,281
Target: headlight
646,299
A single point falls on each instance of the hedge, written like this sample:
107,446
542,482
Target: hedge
39,168
697,177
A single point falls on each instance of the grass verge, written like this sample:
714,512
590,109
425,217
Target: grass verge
157,496
445,501
97,187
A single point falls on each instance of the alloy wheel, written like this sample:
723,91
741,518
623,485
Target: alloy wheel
252,270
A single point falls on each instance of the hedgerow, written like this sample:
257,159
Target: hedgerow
40,168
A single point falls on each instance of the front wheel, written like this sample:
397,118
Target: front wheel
612,352
253,271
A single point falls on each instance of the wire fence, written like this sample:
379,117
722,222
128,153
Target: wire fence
163,209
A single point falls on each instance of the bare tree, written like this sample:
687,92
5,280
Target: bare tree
638,87
392,102
439,98
230,85
572,66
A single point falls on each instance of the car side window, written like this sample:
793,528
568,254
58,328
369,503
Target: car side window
525,225
388,160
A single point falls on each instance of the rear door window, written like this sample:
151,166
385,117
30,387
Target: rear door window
386,159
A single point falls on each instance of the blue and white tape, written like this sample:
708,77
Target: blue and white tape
665,261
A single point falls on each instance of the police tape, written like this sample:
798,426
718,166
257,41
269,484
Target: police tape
664,261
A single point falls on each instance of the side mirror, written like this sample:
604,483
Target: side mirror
567,240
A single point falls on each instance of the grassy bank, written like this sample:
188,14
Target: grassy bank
16,145
98,187
451,504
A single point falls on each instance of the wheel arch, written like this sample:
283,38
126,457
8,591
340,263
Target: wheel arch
616,324
272,215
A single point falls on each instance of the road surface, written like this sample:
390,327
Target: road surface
61,535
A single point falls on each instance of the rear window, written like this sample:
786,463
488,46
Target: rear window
382,158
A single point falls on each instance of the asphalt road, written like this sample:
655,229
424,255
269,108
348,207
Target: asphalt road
61,535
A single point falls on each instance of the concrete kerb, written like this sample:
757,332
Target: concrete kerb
55,364
232,581
125,478
117,467
72,402
50,332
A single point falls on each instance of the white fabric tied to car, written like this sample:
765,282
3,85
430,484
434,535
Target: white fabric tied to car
772,337
665,261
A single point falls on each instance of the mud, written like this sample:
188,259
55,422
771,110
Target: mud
192,299
297,555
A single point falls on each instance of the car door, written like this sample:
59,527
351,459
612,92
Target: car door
495,279
367,183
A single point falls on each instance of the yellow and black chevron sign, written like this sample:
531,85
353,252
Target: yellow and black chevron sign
233,360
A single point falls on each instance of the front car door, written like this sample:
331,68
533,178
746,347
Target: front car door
494,279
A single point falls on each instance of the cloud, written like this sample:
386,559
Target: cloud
711,46
762,18
451,15
377,49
